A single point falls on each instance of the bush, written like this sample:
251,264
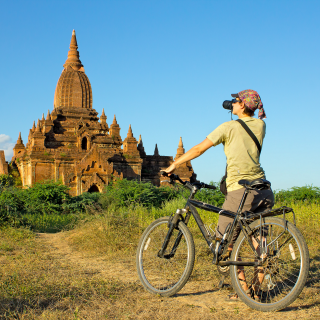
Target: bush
45,197
306,193
6,181
214,197
85,203
126,192
10,203
14,172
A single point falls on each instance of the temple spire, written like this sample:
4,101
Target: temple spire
33,127
73,54
141,148
48,115
38,126
103,117
156,151
19,147
180,150
130,134
114,120
180,143
19,141
42,119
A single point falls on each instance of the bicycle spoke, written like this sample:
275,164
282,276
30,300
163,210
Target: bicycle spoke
164,273
281,267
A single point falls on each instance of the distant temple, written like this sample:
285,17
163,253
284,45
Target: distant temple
73,146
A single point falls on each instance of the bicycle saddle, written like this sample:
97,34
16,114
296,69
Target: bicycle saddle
260,184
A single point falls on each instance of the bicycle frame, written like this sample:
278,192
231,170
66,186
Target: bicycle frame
190,209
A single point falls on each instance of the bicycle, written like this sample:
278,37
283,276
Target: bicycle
270,252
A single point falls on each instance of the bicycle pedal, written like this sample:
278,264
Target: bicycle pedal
221,283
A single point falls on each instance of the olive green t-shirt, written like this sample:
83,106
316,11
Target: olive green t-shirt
241,151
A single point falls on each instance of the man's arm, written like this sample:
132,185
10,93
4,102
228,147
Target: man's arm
193,153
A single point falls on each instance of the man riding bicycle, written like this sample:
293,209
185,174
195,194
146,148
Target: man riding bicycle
242,161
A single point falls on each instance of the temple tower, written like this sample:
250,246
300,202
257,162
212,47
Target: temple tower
130,144
73,87
180,150
19,148
141,148
115,132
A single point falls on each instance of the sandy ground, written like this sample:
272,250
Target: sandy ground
201,298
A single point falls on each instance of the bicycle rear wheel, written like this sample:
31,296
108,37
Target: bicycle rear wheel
167,275
283,274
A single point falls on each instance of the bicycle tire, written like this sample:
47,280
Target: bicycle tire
282,275
161,275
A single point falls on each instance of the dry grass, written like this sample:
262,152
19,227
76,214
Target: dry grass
89,273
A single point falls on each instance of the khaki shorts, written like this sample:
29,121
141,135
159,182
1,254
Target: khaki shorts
257,201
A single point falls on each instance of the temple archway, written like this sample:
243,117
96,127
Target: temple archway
84,144
93,188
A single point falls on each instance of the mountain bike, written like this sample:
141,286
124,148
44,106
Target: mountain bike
270,253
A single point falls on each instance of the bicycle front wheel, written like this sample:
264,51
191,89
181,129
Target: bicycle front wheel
166,275
285,265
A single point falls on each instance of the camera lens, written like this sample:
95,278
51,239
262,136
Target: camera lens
227,104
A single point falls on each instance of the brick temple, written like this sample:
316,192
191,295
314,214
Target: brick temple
74,145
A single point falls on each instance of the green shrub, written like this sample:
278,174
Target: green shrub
11,204
214,197
6,181
14,172
306,193
85,203
126,192
45,197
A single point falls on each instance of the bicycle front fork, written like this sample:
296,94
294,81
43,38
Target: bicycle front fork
172,224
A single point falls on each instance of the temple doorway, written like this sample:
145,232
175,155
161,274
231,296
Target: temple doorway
84,144
93,188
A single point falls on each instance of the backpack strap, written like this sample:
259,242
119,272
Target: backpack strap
251,134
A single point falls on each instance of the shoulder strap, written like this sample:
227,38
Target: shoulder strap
251,134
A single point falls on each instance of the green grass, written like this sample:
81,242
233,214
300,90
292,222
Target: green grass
51,222
35,284
119,230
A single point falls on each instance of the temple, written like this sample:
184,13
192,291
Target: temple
72,144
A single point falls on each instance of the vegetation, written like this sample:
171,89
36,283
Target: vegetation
87,272
126,192
48,206
6,181
309,194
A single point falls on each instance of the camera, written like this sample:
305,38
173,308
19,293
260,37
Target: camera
227,104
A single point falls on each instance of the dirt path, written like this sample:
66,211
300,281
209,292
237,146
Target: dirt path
202,296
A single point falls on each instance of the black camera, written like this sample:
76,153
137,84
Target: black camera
227,104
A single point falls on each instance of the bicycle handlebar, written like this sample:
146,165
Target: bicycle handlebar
199,185
208,186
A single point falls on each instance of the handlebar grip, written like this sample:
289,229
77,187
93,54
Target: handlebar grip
163,173
208,186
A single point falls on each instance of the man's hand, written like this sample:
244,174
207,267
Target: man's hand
170,169
193,153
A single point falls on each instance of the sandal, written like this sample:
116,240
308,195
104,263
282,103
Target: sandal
235,298
232,298
257,295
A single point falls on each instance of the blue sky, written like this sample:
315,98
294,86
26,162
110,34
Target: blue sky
165,67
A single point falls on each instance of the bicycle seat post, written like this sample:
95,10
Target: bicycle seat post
243,200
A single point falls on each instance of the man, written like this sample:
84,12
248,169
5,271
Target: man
242,159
